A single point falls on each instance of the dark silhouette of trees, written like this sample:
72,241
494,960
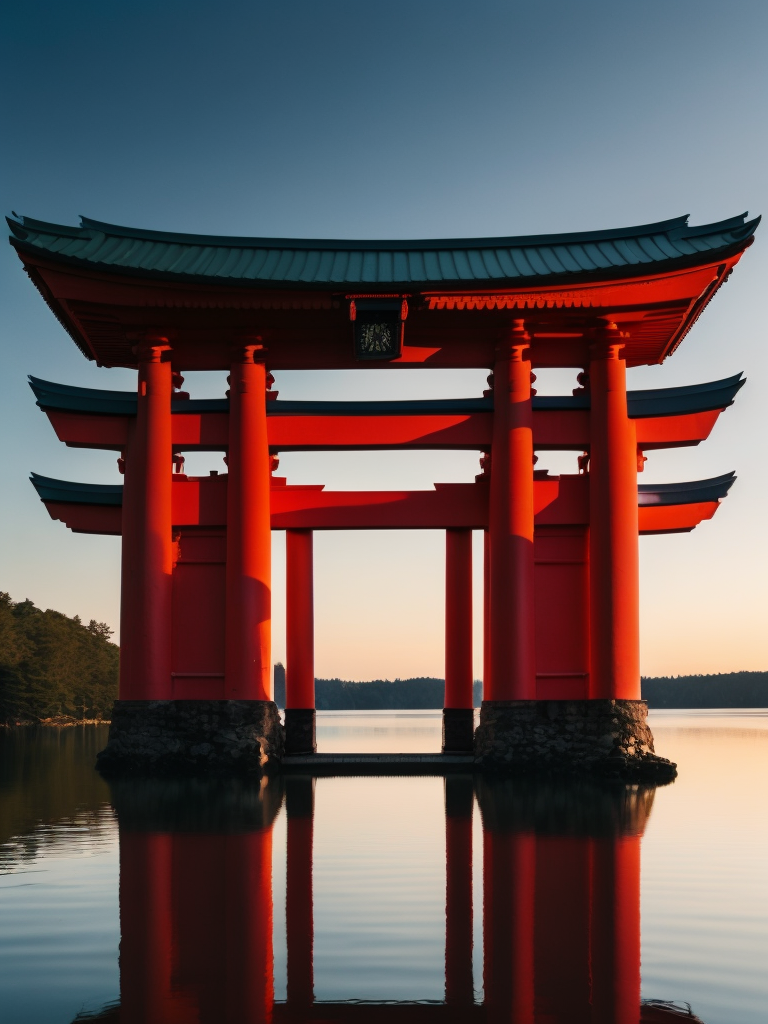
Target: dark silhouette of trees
53,666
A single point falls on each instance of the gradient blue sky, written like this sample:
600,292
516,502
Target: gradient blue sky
374,119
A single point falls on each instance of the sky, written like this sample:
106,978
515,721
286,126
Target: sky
394,120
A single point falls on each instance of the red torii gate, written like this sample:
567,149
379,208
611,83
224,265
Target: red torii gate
561,618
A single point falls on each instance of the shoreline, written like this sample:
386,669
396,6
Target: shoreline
60,722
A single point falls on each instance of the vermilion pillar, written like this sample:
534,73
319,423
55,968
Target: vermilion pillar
458,711
248,991
300,644
147,555
249,540
299,913
513,667
146,927
459,802
613,551
615,930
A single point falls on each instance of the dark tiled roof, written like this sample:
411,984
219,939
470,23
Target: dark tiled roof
421,264
77,494
659,402
689,493
648,494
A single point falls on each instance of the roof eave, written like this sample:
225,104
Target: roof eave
447,287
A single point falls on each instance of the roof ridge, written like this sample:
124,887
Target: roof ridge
677,225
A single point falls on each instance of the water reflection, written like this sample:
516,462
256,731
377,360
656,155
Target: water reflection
50,796
560,906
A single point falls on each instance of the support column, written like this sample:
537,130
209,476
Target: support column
614,574
509,878
615,928
300,644
150,731
458,713
299,911
249,540
513,666
459,802
146,927
147,553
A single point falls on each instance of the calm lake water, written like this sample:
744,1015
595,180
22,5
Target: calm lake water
386,899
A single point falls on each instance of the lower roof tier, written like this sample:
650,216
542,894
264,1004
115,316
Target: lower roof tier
666,417
201,502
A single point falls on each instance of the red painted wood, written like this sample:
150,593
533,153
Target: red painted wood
562,612
299,620
615,930
248,673
511,514
202,505
614,569
556,429
307,332
146,927
199,588
458,619
147,554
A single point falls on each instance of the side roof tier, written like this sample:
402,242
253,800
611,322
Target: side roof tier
403,263
642,404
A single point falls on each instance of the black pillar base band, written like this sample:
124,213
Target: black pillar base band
458,730
300,731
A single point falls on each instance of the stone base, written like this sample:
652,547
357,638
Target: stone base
610,738
192,737
458,730
300,731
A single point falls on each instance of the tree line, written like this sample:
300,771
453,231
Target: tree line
53,667
726,690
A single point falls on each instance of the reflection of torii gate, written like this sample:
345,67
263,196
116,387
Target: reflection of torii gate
561,562
561,908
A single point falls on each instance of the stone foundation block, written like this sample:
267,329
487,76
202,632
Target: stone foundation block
610,738
189,737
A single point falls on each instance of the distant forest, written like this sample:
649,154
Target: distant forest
727,690
53,666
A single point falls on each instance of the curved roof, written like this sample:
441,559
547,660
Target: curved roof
677,401
688,493
410,263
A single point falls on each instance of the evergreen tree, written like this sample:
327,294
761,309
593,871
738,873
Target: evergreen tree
53,666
